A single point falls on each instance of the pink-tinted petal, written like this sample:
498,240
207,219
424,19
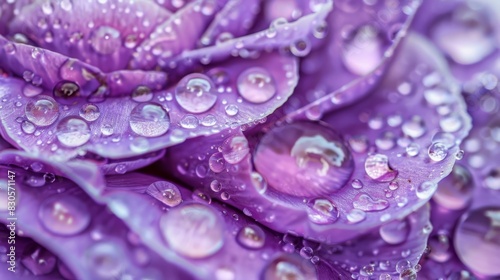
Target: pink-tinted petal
103,34
148,120
381,166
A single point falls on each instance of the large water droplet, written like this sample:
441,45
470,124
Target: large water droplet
149,120
193,230
289,267
105,40
64,215
437,151
256,85
322,211
363,50
377,167
455,191
477,240
196,93
313,159
465,35
365,202
234,149
42,110
165,192
395,232
251,237
73,132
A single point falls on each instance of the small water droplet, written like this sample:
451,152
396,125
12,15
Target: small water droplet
195,93
165,192
28,127
426,189
251,237
395,232
149,120
189,122
66,92
231,110
377,167
437,151
412,149
105,259
142,94
256,85
455,191
414,127
288,266
64,215
42,110
105,40
90,112
193,230
216,162
365,202
440,248
235,149
355,216
322,211
215,186
357,184
363,50
73,132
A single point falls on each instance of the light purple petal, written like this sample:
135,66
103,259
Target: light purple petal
101,34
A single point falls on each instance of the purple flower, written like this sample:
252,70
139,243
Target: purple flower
230,139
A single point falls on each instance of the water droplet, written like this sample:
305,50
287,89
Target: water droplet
301,48
426,189
189,122
451,123
322,211
42,110
195,93
73,132
492,180
142,94
465,35
413,149
363,50
317,160
107,129
235,149
139,145
477,241
258,182
355,216
215,186
149,120
251,237
357,184
64,215
437,151
209,120
367,270
105,259
365,202
256,85
440,248
408,274
38,260
402,265
90,112
216,162
395,232
415,127
165,192
289,267
231,110
105,40
28,127
193,230
66,92
455,191
377,167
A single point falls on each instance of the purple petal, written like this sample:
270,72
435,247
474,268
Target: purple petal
399,157
101,34
394,250
132,126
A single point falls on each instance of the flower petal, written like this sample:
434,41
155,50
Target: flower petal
103,34
334,192
131,126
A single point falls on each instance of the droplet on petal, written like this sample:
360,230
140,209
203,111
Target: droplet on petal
165,192
377,167
256,85
195,93
426,189
42,110
365,202
105,40
289,267
64,215
477,240
363,51
104,259
193,230
395,232
322,211
90,112
73,132
455,191
234,149
313,159
149,120
251,237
